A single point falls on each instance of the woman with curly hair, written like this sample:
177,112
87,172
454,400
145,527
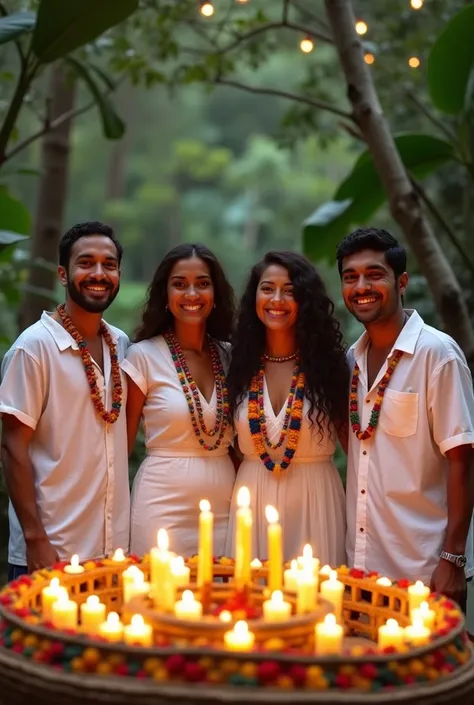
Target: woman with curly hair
288,390
177,387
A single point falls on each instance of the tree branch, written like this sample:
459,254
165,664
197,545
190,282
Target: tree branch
309,13
241,38
263,90
432,118
444,224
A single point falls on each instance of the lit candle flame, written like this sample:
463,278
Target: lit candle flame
93,600
118,555
113,619
187,596
75,560
392,625
271,514
330,620
205,505
241,628
277,596
137,621
177,563
225,616
294,564
307,552
54,583
332,575
243,497
162,540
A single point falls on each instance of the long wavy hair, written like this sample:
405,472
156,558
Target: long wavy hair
318,338
157,318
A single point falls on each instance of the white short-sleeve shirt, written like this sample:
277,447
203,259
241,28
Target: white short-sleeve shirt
397,480
80,463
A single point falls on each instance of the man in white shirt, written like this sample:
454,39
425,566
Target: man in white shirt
409,475
62,402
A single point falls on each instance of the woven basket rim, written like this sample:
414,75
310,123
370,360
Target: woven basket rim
202,693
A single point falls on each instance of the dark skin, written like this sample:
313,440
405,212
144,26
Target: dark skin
373,295
94,261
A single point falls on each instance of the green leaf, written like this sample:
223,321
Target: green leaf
14,216
361,194
14,25
112,125
8,238
63,26
451,61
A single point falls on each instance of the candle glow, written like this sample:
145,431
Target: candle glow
239,638
119,555
74,568
138,633
275,550
328,636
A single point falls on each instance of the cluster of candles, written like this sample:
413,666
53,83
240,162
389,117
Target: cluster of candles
168,572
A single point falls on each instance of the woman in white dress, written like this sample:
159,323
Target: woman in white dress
288,389
177,387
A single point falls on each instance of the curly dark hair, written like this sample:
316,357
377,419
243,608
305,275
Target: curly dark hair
318,337
90,227
157,318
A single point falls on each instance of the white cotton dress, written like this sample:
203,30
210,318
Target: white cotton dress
308,495
177,472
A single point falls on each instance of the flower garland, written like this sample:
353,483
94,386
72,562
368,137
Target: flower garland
375,414
191,392
107,416
291,425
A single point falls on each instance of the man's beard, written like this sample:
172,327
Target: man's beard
87,304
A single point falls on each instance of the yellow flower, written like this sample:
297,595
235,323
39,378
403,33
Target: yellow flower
160,674
284,682
91,656
77,664
229,665
152,664
416,667
103,669
249,669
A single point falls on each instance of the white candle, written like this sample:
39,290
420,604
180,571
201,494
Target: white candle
391,634
112,629
138,633
417,594
328,637
239,638
133,583
160,572
243,538
64,613
276,609
417,634
425,615
180,572
275,550
188,607
385,582
74,568
92,615
256,564
306,592
290,577
205,554
119,555
333,590
49,595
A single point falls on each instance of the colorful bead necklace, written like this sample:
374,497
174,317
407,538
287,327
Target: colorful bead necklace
291,424
375,414
191,392
107,416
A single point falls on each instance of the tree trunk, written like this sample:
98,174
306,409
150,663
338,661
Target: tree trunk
404,202
55,149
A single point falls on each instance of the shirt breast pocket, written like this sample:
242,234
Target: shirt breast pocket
399,413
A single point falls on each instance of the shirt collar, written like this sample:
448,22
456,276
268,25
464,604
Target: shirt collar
406,341
62,338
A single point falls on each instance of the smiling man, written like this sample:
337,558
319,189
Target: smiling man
62,401
409,475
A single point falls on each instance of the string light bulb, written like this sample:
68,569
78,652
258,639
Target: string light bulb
206,8
242,2
416,4
369,58
361,27
413,62
306,45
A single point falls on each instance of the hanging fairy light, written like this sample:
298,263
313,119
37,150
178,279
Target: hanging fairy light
416,4
369,58
206,8
414,62
242,2
361,27
306,45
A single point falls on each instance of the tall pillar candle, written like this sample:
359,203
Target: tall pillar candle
160,570
205,553
243,539
333,590
275,550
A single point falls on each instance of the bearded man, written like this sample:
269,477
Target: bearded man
62,403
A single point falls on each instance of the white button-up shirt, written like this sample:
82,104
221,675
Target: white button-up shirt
397,480
80,463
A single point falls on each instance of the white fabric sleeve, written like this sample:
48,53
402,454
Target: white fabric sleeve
23,389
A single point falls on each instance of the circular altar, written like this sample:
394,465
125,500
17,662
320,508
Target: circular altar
183,659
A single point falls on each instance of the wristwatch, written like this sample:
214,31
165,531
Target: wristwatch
459,560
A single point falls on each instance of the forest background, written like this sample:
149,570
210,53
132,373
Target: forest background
220,129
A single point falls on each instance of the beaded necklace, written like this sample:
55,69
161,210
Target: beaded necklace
284,358
291,425
375,414
107,416
191,392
